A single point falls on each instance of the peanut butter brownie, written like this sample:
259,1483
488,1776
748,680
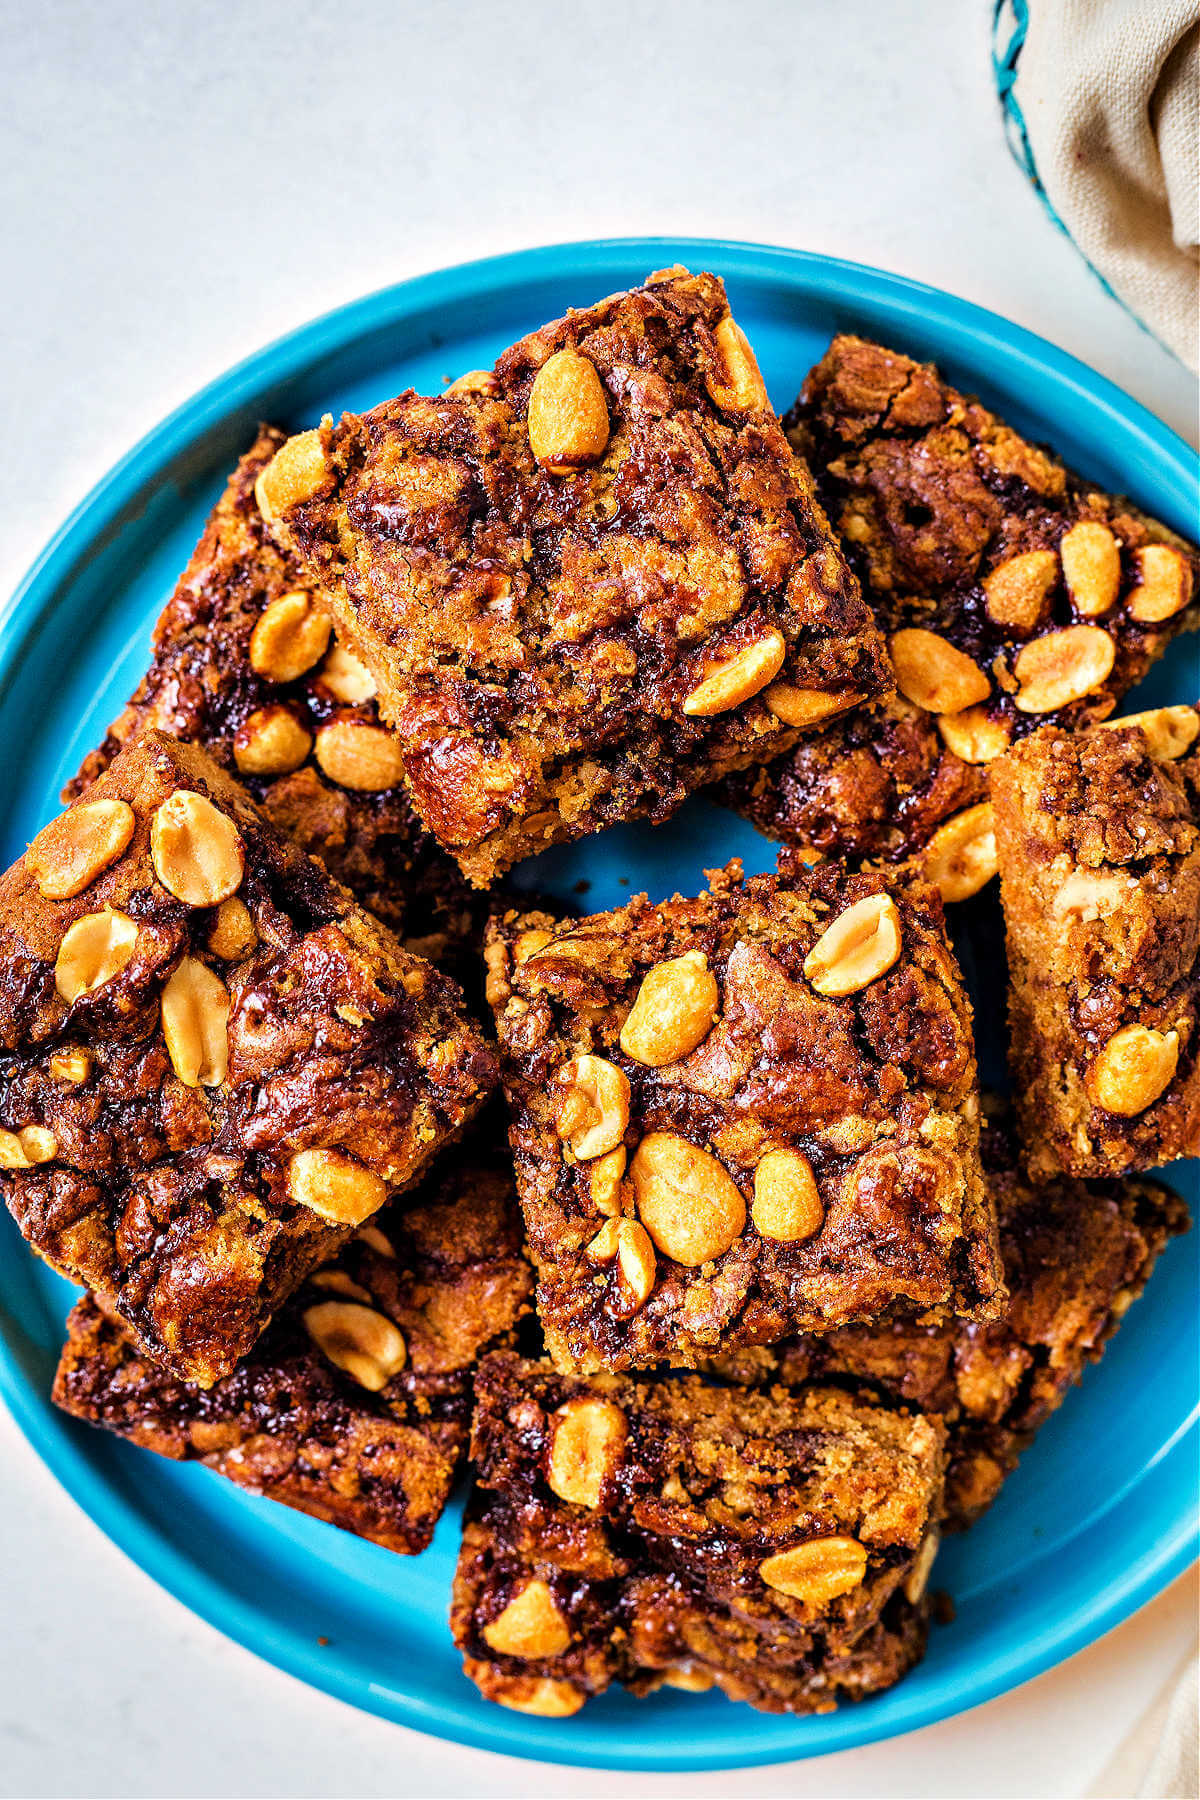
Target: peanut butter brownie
774,1544
1076,1256
245,664
1099,840
587,581
1011,593
355,1403
214,1066
743,1115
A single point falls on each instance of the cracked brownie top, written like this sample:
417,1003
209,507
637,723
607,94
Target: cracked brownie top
742,1115
215,1065
1011,593
245,665
587,581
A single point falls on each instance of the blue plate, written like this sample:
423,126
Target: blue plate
1102,1512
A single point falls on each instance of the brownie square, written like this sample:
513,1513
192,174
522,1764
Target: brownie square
742,1115
355,1403
1076,1255
215,1065
587,581
245,664
775,1544
1012,595
1099,841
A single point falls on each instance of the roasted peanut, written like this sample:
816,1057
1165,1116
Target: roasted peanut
1168,730
93,950
857,948
26,1148
332,1184
357,1339
1166,584
363,757
787,1206
1015,591
233,935
593,1111
738,677
531,1625
272,741
960,857
974,734
686,1199
1134,1068
293,475
917,1579
934,674
74,1066
346,678
689,1681
636,1263
817,1572
195,1019
605,1176
1062,666
291,635
476,381
67,854
542,1698
1091,560
807,706
568,413
673,1012
736,383
588,1437
196,850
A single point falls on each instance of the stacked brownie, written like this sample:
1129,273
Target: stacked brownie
800,1304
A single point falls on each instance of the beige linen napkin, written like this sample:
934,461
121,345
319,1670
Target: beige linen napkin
1104,97
1157,1761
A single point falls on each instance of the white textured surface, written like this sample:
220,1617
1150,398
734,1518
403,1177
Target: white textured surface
179,184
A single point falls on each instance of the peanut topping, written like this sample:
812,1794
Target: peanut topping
807,706
861,945
332,1184
607,1241
544,1699
233,935
917,1579
787,1206
67,854
336,1281
604,1182
96,948
1062,666
738,386
686,1199
593,1112
195,1019
530,1626
738,678
974,735
934,674
674,1011
346,678
817,1572
1091,560
74,1066
1166,584
1015,591
196,851
289,638
293,475
1168,730
476,381
636,1262
26,1148
589,1436
363,757
357,1339
568,413
375,1240
960,857
689,1681
271,742
1135,1066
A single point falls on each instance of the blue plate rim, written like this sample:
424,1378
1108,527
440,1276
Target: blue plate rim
1166,458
